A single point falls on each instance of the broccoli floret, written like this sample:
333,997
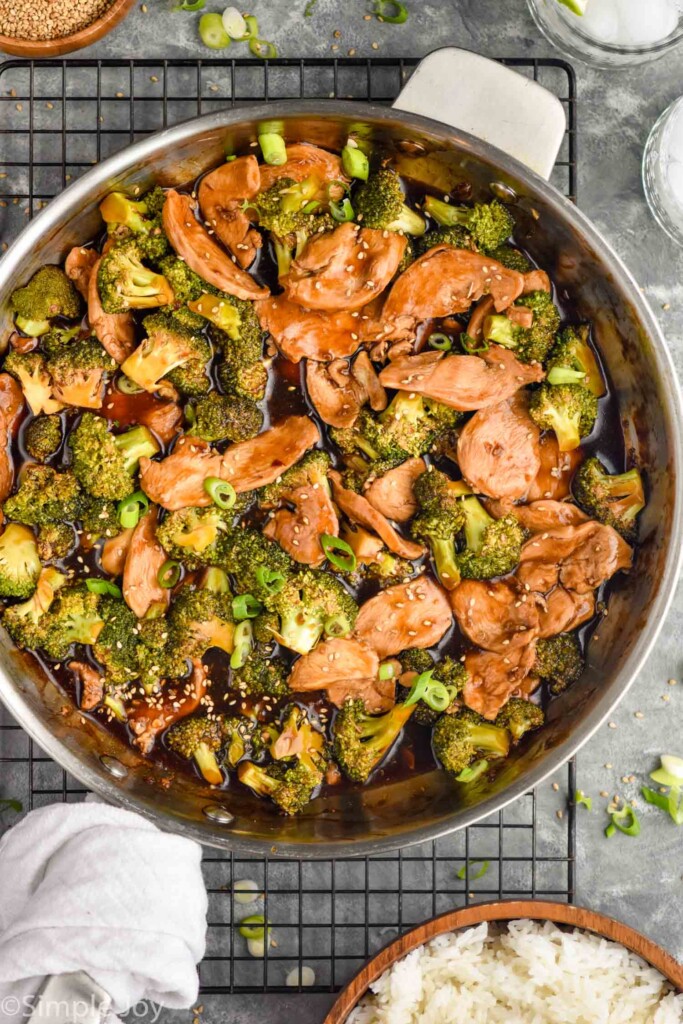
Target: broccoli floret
73,618
242,370
451,673
105,464
226,418
238,737
99,517
218,310
456,236
312,603
30,369
511,258
142,218
570,410
490,224
124,282
287,211
77,373
614,499
43,437
559,661
259,565
200,738
117,645
19,561
387,570
195,536
185,283
492,546
201,617
171,349
297,738
44,496
58,338
311,470
55,540
291,788
49,293
460,739
572,361
25,622
439,520
530,344
159,657
361,740
261,675
519,717
379,203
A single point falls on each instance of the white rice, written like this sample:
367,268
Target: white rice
528,973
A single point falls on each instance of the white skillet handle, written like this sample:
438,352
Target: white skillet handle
490,101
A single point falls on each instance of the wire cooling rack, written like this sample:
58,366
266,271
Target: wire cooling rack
58,118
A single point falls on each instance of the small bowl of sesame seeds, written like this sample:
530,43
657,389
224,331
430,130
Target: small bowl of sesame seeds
48,28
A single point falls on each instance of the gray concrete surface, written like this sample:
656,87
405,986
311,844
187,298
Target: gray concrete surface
638,880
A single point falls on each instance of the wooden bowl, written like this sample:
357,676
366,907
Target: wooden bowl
54,47
505,910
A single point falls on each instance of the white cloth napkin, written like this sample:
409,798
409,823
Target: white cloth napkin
89,887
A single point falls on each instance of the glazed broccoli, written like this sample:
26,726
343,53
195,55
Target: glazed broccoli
99,518
291,788
572,361
49,293
457,237
124,282
511,258
19,561
125,216
238,734
361,740
55,540
73,618
116,647
261,676
59,338
530,344
160,654
226,418
201,617
439,519
195,536
286,210
570,410
379,203
242,370
492,546
409,256
612,498
310,604
185,283
77,373
519,717
311,471
200,738
559,661
105,464
490,224
460,739
30,369
43,437
171,351
259,565
374,563
218,310
25,622
297,738
44,496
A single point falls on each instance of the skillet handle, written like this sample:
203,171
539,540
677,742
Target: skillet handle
490,101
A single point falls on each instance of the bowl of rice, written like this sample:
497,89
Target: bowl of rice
527,962
48,28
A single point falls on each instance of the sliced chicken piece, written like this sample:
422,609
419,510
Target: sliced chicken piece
369,388
556,472
563,610
392,494
304,161
539,516
298,531
307,333
114,331
414,614
483,308
536,281
344,269
11,400
196,247
79,266
163,418
178,480
494,616
6,460
333,392
359,510
498,450
221,193
346,668
148,718
522,316
141,587
115,552
494,678
579,557
91,684
446,281
463,382
260,461
366,546
378,694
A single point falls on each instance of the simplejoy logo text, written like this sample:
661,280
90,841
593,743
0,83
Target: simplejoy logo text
76,1011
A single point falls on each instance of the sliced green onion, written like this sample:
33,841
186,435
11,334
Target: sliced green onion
100,586
355,162
131,509
234,24
116,706
651,796
399,15
580,799
464,870
472,772
11,805
264,49
244,638
127,386
430,691
246,891
220,491
564,375
190,414
610,831
245,606
342,211
670,802
273,148
310,207
472,346
252,26
309,8
169,574
626,820
663,778
673,765
271,580
386,671
253,927
338,552
337,625
440,341
212,33
190,5
419,687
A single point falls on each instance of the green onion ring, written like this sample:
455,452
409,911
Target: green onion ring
463,873
252,26
245,606
386,671
439,341
169,574
430,691
337,625
264,49
212,33
473,771
355,162
629,818
472,346
131,509
190,5
400,9
127,386
342,211
220,491
271,580
419,687
338,552
253,927
190,414
273,148
100,586
244,637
